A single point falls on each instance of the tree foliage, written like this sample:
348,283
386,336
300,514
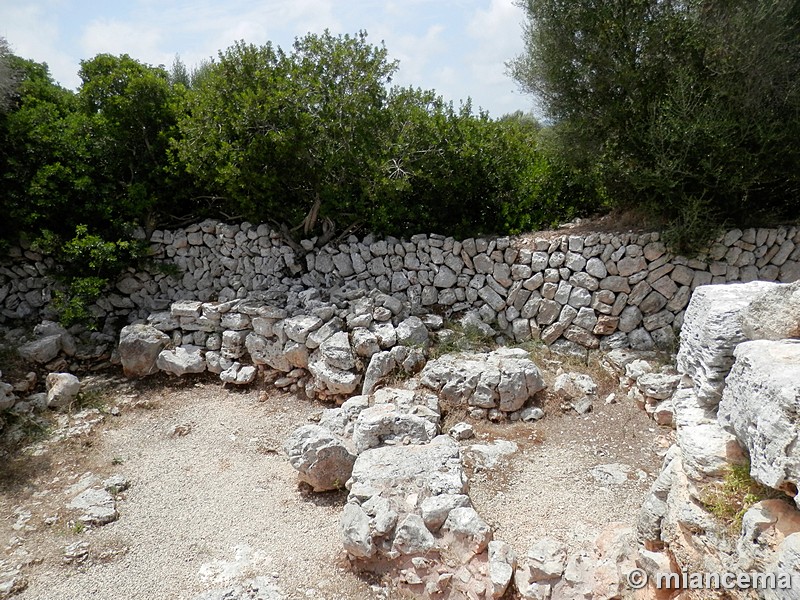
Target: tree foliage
690,108
318,135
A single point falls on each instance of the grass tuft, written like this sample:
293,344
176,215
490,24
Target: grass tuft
731,498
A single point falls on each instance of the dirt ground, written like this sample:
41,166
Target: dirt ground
213,500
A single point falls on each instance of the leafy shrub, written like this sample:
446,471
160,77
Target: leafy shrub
87,266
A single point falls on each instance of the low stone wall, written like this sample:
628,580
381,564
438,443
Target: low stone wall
576,291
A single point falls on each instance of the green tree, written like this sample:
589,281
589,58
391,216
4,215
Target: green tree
47,179
289,137
8,77
690,108
134,112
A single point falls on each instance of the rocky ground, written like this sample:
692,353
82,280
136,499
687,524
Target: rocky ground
213,503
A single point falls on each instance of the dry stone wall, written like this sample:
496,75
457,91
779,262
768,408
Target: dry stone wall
574,291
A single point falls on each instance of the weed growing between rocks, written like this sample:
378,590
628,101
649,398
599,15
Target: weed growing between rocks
734,495
461,338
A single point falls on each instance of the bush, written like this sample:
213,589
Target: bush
87,266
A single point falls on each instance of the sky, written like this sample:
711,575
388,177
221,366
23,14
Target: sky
457,47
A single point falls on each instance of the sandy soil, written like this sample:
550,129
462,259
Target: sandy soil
213,500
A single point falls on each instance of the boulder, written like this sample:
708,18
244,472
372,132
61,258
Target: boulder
412,537
504,379
181,360
765,527
658,385
139,347
97,506
409,472
322,459
466,533
775,315
385,423
380,365
574,385
356,532
62,389
298,328
337,353
329,379
412,332
502,561
267,352
435,509
711,330
41,350
258,588
238,374
761,406
706,447
7,397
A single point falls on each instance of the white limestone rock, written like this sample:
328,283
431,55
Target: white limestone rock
409,471
658,385
331,379
62,389
412,537
337,353
575,385
41,350
238,374
322,459
466,533
775,315
139,347
356,533
761,406
504,379
380,365
435,509
502,562
267,352
181,360
707,448
96,505
385,424
412,332
711,330
298,328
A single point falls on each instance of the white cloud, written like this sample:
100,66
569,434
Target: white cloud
33,32
117,37
416,53
497,32
457,47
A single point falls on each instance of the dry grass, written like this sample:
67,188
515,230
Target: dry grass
729,499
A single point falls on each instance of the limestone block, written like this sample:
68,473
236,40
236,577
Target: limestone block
181,360
321,458
62,389
711,330
139,347
774,315
761,406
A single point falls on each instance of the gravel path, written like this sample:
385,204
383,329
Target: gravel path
204,510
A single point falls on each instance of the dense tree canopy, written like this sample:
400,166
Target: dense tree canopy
689,108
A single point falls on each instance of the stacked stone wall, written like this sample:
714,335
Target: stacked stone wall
577,291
